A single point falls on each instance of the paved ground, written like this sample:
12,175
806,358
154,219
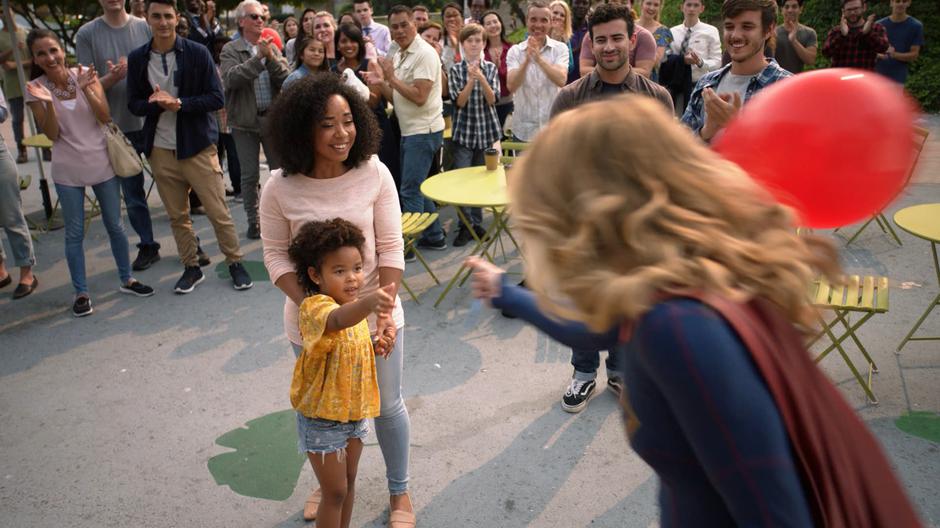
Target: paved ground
169,411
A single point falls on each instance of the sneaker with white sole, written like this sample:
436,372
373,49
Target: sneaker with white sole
82,306
577,396
136,288
192,276
241,280
615,385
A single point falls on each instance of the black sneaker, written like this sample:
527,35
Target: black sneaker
254,231
192,276
439,245
615,385
136,288
577,395
146,257
410,256
463,236
82,306
240,278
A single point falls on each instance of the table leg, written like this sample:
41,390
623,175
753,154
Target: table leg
933,304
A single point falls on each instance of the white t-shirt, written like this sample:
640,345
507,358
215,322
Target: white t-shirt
161,70
731,83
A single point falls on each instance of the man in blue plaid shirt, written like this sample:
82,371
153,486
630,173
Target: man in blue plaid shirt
718,95
474,83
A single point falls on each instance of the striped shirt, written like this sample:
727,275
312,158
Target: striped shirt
476,125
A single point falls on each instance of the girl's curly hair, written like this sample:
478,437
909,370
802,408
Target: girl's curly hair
617,203
315,240
300,108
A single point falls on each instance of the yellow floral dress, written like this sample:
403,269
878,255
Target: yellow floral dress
334,377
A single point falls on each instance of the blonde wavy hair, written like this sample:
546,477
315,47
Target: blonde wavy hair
566,32
617,203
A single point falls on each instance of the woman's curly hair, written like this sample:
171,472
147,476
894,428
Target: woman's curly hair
617,203
301,107
314,241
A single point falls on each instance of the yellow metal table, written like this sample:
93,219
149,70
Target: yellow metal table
472,187
922,221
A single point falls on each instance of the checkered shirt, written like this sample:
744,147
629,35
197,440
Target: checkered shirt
694,116
857,49
476,125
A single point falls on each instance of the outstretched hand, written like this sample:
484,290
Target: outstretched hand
487,278
86,77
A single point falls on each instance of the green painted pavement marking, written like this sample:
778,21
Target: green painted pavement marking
255,268
265,463
924,424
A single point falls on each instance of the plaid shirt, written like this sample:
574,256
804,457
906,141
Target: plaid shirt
857,49
694,115
476,125
264,94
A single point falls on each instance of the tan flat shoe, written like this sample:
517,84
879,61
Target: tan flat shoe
402,519
311,506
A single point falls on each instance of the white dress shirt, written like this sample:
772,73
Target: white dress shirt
533,100
705,42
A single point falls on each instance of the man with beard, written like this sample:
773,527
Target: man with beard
796,43
856,41
718,96
610,29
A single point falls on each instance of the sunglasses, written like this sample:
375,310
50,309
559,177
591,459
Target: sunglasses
256,16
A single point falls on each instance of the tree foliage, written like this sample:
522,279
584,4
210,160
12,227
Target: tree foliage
63,17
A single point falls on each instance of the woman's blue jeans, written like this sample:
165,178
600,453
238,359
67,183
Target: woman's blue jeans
72,201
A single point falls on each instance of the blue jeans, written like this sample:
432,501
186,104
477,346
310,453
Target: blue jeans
417,154
72,200
586,362
469,157
393,425
11,212
135,198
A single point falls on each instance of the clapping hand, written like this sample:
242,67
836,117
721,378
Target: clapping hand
844,26
39,91
119,70
868,23
164,99
692,58
719,109
86,77
474,72
266,48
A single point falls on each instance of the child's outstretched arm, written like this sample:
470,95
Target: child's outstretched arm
381,302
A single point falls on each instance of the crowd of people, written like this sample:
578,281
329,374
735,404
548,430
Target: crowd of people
350,115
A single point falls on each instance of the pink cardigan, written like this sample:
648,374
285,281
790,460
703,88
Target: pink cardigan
365,195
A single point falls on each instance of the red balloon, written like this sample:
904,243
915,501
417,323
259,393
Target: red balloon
270,33
836,145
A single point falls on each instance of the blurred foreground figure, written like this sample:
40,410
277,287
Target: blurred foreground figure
697,278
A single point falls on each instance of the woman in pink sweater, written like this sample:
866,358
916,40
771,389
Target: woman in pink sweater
340,176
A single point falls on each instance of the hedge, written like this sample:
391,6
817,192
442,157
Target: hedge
821,15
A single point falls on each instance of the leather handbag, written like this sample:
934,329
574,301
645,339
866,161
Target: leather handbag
124,158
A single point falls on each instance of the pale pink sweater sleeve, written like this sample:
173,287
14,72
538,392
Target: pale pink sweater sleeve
389,245
275,231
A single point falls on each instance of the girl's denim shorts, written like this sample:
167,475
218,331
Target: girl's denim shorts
316,435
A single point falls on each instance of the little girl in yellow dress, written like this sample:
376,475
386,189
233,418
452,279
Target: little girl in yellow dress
334,388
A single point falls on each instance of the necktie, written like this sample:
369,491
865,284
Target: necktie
685,42
366,30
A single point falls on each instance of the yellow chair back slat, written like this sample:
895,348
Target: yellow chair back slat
837,296
822,292
867,302
881,304
851,293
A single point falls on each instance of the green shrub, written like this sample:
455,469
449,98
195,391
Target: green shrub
821,15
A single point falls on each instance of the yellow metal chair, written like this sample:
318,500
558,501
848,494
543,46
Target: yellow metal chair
511,151
867,296
412,225
920,138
